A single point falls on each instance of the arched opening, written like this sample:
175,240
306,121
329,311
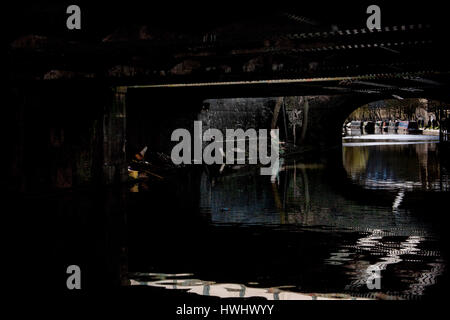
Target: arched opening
397,144
399,116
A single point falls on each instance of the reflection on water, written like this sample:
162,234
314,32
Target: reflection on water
227,290
316,232
403,166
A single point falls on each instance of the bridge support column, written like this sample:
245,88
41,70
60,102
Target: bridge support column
322,119
114,135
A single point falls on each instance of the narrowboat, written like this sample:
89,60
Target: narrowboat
411,127
392,127
356,125
369,127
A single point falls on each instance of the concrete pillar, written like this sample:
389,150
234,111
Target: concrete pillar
322,119
114,135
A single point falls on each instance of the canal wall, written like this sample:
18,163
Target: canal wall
244,113
64,136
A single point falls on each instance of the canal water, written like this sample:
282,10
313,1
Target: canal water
367,226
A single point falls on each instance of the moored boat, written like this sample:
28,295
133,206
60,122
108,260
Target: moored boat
369,127
392,127
411,127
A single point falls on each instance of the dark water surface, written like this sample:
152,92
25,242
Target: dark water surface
318,232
